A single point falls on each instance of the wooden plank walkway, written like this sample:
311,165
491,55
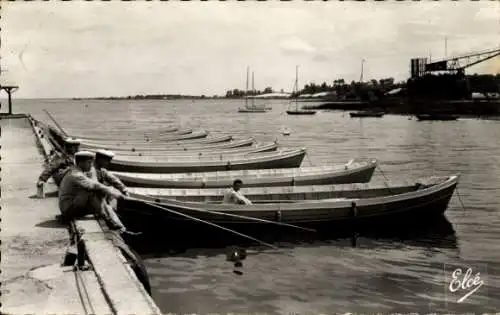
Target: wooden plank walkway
34,243
122,288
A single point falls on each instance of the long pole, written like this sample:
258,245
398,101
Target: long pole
446,46
362,64
55,122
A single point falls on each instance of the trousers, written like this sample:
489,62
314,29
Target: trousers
92,204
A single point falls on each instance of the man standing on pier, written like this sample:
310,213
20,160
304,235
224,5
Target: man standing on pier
60,164
80,195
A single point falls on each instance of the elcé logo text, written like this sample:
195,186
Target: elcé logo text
465,282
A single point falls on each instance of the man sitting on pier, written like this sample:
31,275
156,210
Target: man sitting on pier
80,195
60,164
233,194
101,173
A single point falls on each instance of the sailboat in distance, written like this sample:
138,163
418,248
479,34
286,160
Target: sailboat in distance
298,111
252,108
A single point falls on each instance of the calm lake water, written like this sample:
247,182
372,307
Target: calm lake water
378,275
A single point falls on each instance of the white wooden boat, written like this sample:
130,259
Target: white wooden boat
355,171
158,142
174,146
369,204
186,157
250,109
258,148
131,134
195,136
292,158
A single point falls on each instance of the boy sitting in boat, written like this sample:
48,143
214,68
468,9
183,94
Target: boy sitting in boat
234,196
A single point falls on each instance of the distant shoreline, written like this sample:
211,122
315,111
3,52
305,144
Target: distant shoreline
167,98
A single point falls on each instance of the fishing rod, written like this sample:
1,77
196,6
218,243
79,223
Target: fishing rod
206,222
55,122
244,217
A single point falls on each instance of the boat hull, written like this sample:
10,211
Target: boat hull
182,153
301,112
360,173
129,134
282,160
375,213
437,117
245,110
366,114
200,146
156,141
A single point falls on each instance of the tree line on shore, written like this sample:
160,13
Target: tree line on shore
368,90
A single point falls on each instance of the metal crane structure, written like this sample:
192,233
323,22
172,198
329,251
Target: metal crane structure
456,64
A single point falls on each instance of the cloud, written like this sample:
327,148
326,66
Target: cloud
66,49
293,45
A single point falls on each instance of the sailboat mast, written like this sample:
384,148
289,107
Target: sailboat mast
296,87
246,91
253,91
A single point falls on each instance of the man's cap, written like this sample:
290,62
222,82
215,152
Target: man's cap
72,141
86,154
106,153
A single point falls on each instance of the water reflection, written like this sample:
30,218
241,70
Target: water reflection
436,234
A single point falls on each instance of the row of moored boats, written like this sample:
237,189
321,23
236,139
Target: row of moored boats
178,177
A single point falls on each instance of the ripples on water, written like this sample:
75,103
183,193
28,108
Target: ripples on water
381,275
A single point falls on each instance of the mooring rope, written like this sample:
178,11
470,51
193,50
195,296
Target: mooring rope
79,278
385,177
460,198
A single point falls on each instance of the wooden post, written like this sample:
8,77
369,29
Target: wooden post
9,90
9,93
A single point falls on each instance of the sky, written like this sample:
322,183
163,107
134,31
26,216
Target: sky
89,49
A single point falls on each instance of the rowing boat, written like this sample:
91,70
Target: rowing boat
258,148
288,159
157,142
355,171
132,134
362,114
175,146
187,157
445,117
194,136
369,204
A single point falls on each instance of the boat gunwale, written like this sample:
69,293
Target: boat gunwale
187,146
198,158
181,153
325,170
435,189
232,162
202,136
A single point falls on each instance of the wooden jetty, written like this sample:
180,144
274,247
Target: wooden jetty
34,243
